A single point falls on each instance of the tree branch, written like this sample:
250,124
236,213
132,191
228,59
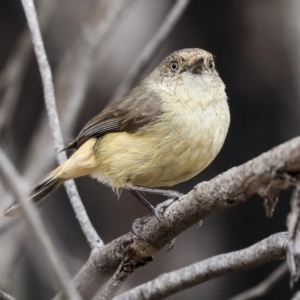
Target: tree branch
4,296
293,224
114,283
19,189
226,190
129,264
296,296
265,286
14,70
269,249
86,226
150,50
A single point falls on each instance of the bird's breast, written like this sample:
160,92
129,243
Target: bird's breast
175,148
194,136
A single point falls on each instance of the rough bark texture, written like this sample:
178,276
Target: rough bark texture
224,191
269,249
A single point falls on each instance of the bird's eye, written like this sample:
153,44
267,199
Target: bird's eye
174,66
211,64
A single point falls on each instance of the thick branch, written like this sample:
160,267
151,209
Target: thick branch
228,189
86,226
269,249
19,189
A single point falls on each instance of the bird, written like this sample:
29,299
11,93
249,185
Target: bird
163,132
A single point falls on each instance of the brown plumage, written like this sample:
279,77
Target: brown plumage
137,109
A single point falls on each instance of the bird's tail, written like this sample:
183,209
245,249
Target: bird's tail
81,163
42,189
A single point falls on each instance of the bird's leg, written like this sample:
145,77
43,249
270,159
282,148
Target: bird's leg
147,204
166,193
151,209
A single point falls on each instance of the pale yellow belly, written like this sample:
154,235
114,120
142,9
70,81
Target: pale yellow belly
156,157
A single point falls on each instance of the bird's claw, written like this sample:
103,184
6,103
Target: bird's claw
174,195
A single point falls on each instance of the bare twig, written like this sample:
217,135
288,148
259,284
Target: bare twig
129,264
265,286
86,226
151,48
224,191
296,296
17,186
293,225
13,72
114,284
4,296
72,79
272,248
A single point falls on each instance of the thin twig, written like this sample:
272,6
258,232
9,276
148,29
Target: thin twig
128,265
296,296
17,186
150,50
14,70
4,296
265,286
293,224
72,79
114,284
86,226
269,249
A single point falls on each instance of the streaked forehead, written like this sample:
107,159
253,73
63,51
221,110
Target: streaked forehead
190,54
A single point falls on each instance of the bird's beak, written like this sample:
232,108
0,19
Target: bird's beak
197,65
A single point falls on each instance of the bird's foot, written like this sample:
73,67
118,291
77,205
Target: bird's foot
166,193
151,209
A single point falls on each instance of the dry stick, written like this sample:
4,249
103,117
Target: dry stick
296,296
4,296
293,224
12,179
13,73
265,286
115,283
224,191
72,79
269,249
149,51
86,226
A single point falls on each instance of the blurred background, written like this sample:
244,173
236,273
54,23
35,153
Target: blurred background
257,48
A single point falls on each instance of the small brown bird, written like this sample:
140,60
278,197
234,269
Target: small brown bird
163,132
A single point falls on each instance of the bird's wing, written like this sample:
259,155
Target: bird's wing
137,109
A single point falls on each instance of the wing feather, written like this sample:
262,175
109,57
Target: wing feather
138,108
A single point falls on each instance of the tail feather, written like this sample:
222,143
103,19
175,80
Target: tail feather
39,192
81,163
43,189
